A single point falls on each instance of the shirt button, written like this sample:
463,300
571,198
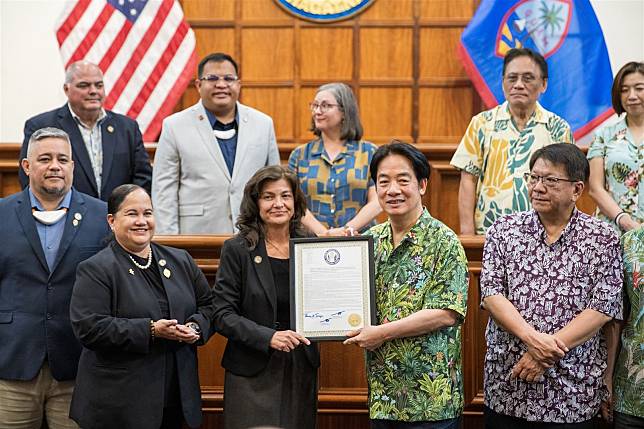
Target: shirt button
48,316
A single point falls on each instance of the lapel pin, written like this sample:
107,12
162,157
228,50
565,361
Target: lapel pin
110,129
162,262
75,222
201,117
131,271
78,216
258,259
167,273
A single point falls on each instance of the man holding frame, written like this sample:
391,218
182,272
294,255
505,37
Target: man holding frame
414,365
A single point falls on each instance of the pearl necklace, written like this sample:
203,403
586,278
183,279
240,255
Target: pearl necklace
142,267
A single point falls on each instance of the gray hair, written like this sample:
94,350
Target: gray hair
46,133
72,69
351,128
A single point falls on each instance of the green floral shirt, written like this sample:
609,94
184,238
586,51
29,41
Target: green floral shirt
418,378
628,384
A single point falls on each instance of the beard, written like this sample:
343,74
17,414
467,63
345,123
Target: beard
53,191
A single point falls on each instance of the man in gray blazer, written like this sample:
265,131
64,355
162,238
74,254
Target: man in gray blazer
207,153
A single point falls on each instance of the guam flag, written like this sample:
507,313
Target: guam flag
566,33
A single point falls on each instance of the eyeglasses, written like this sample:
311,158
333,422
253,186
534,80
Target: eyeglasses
526,78
324,107
228,79
548,182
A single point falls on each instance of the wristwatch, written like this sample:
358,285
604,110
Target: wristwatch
195,327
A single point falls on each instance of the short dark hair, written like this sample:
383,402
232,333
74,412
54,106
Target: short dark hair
118,195
568,155
249,223
525,52
396,147
616,91
217,57
351,128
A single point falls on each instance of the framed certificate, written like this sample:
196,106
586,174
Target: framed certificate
332,286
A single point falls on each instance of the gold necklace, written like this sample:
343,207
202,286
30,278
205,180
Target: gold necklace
279,251
142,267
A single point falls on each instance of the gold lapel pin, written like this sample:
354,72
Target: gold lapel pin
75,222
162,262
167,273
258,259
131,271
110,129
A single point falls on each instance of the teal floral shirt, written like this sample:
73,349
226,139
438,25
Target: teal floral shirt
628,381
418,378
623,168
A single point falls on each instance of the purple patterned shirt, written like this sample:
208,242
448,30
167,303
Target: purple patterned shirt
550,285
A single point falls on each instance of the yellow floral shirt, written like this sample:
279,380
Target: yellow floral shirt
496,152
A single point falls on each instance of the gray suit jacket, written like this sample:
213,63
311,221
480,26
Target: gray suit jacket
192,190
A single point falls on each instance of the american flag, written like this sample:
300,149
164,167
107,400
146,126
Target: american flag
145,49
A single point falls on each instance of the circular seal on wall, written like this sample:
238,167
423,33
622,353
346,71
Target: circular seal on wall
332,256
324,10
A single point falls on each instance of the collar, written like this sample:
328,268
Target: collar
533,225
421,225
63,204
539,114
214,121
350,146
621,131
102,114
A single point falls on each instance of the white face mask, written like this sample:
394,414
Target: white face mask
225,135
49,217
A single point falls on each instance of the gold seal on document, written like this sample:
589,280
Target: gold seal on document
354,319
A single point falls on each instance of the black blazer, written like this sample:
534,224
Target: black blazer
120,381
124,157
246,308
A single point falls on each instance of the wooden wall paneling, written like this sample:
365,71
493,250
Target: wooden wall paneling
386,113
442,200
444,113
326,54
447,9
386,54
438,47
211,40
307,94
214,10
262,10
277,103
267,54
388,10
9,154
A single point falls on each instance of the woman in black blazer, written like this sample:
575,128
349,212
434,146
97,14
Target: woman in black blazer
271,371
139,310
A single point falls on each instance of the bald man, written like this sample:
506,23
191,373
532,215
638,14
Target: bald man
107,147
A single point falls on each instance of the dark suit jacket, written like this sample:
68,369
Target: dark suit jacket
34,301
120,381
124,157
246,308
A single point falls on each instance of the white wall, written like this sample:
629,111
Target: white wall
31,73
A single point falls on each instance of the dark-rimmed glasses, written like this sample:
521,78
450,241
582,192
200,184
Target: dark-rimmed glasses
549,181
324,107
